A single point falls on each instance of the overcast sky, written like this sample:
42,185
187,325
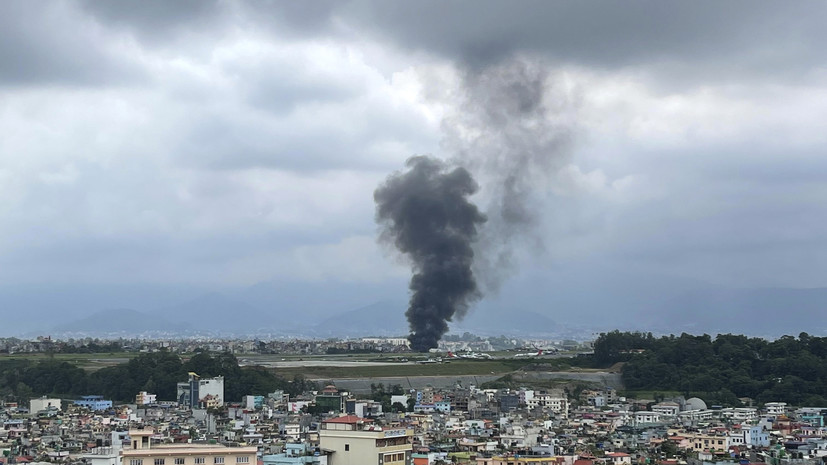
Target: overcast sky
229,143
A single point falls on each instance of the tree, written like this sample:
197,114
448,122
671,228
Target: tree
398,407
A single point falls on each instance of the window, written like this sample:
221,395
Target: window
218,460
200,460
242,459
179,460
159,461
136,462
347,447
395,457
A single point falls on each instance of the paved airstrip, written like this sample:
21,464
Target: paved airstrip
319,363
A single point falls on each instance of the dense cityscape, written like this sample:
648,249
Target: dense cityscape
556,402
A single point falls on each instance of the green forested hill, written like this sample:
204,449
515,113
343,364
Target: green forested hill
789,369
157,373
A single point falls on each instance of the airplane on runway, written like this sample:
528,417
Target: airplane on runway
530,354
469,355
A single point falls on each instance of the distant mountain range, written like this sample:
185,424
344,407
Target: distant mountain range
766,312
384,318
122,320
543,306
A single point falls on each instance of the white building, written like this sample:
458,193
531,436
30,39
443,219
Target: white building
197,391
43,403
526,396
644,417
739,414
738,437
107,454
667,408
776,408
394,341
695,415
557,403
619,458
144,398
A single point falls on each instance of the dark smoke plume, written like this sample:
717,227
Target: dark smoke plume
512,130
426,214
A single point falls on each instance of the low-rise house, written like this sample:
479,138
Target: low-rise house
95,403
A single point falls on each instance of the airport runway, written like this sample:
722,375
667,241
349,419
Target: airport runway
362,385
318,363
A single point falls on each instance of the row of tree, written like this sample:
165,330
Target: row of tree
157,373
726,367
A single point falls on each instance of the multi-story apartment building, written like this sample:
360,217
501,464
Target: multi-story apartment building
667,408
43,403
708,442
144,398
356,441
776,408
197,392
94,403
143,452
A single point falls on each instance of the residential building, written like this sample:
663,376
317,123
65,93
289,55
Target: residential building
709,442
739,414
96,403
43,403
356,441
144,398
143,452
296,454
758,436
644,417
619,458
667,408
107,454
519,460
194,392
776,408
556,402
331,399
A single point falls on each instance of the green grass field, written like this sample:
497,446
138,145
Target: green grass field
89,362
325,366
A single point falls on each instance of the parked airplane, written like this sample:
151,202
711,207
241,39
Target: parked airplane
470,355
530,354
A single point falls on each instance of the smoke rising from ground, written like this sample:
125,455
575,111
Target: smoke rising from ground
507,129
425,213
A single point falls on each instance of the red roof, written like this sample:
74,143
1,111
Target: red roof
350,420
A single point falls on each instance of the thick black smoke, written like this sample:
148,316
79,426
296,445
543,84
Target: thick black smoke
425,212
511,127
